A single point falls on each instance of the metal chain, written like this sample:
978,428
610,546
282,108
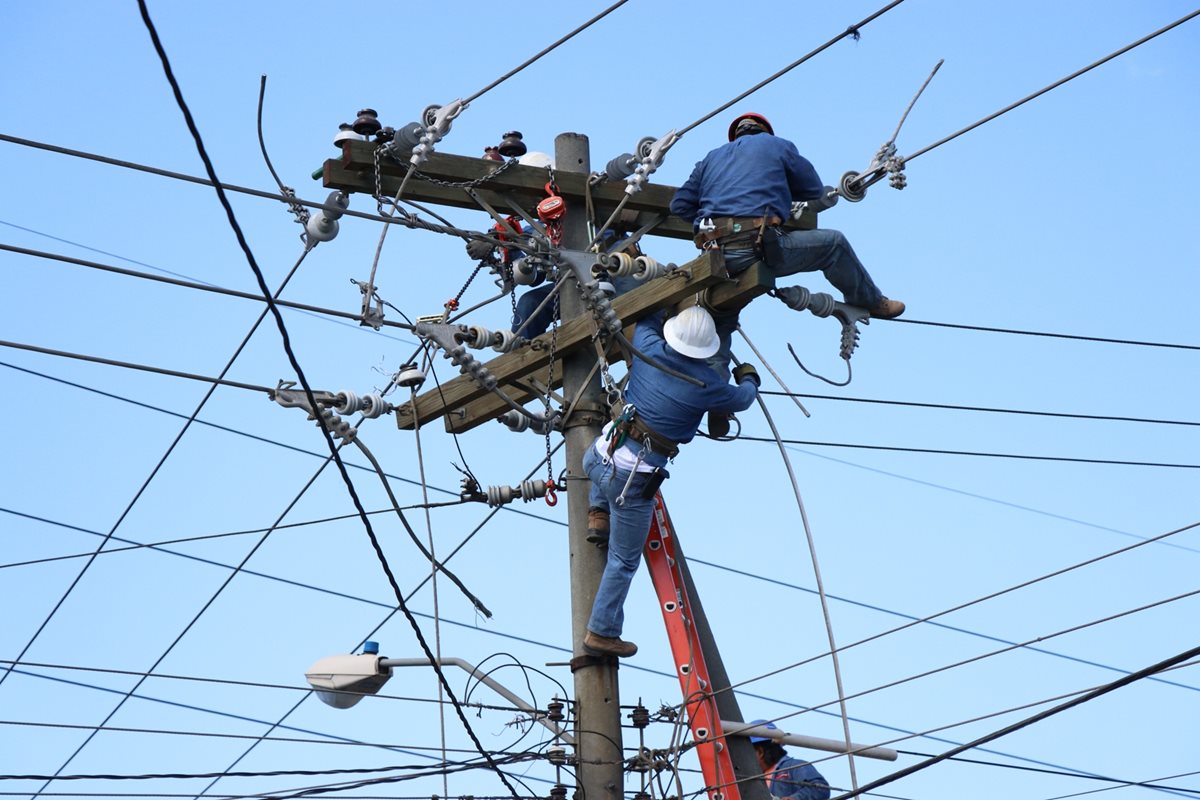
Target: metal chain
550,382
461,184
378,182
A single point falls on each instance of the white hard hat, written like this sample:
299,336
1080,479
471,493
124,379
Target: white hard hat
536,159
692,333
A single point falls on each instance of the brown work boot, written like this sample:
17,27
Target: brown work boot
599,645
597,532
718,424
887,309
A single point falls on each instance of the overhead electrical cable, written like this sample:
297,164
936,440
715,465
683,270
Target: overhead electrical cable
985,409
158,47
146,483
1054,85
991,596
1016,726
1049,335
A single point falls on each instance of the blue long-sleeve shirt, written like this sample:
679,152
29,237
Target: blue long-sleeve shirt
795,779
752,176
670,406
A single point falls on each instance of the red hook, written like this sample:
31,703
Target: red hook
452,304
551,493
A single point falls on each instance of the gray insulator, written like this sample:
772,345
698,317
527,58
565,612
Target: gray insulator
609,290
338,427
339,199
528,490
822,304
526,274
517,422
504,341
410,377
347,403
481,337
621,167
320,228
619,265
410,134
851,188
556,755
373,406
646,268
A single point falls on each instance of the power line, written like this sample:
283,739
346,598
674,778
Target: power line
974,453
1054,85
1046,334
1092,695
986,409
189,284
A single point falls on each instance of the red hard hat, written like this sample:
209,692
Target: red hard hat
759,118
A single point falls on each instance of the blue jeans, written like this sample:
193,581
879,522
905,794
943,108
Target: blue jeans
789,252
629,526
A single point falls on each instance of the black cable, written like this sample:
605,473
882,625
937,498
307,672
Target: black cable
190,284
1016,726
141,367
852,31
544,51
1054,85
106,776
975,453
1064,773
986,409
1046,334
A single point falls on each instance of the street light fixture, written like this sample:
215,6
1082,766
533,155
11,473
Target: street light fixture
341,681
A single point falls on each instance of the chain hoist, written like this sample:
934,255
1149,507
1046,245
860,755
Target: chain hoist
551,211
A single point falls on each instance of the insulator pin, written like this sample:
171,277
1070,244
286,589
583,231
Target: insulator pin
640,716
554,712
556,755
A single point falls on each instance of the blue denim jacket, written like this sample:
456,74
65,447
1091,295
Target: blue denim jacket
674,407
752,176
796,779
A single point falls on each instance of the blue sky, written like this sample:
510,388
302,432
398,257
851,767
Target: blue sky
1070,215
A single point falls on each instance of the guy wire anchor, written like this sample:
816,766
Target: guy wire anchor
821,304
853,185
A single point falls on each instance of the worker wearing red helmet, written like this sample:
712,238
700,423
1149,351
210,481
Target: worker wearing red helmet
738,197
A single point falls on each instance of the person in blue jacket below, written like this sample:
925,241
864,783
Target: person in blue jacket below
738,197
626,463
787,777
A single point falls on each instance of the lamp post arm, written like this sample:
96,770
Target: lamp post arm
488,681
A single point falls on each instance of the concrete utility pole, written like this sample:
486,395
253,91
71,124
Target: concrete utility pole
597,696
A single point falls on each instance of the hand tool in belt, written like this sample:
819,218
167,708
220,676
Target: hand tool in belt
728,230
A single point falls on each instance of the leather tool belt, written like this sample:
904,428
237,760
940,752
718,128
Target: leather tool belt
637,431
731,230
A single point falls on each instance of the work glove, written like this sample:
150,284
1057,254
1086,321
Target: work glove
480,250
746,371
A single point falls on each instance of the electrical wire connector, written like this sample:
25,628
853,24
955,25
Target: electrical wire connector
821,304
437,120
372,305
652,154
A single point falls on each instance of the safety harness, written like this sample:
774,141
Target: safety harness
627,425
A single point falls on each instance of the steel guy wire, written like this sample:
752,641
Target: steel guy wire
1054,85
1149,784
287,192
1118,784
109,776
786,391
333,448
153,472
1117,684
812,552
